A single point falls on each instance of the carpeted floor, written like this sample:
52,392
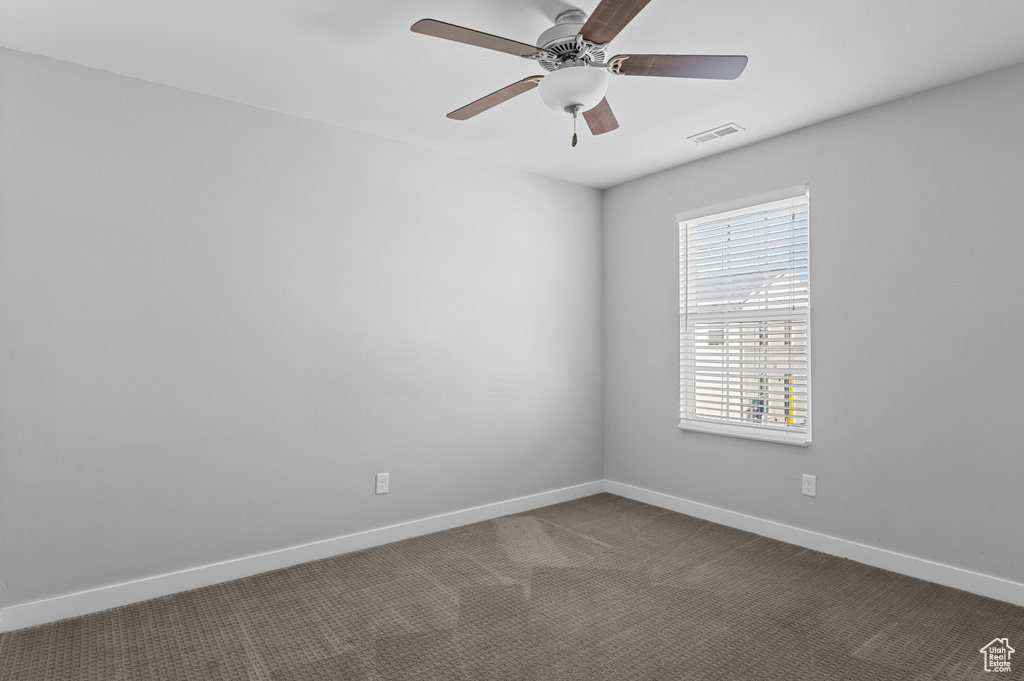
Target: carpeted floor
602,588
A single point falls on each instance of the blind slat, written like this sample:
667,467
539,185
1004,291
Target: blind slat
740,222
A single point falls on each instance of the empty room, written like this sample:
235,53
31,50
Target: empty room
617,339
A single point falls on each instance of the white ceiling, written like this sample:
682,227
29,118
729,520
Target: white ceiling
356,64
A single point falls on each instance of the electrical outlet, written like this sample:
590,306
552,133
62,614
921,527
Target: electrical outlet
382,483
810,487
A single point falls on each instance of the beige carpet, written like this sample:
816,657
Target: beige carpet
598,588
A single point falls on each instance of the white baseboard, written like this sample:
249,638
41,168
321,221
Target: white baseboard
103,598
85,602
947,575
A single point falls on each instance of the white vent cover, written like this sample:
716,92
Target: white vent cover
715,133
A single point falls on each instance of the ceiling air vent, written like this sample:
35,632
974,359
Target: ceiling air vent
715,133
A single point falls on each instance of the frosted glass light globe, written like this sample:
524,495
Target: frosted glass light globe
574,86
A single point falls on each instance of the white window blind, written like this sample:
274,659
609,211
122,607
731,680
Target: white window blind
745,322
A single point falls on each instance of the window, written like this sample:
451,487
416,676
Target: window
744,296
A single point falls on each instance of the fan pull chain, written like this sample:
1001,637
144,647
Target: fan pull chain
574,126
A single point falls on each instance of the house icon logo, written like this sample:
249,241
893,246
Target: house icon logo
997,655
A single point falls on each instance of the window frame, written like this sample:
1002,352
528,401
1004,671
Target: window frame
688,419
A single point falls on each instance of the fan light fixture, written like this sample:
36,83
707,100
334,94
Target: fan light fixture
576,87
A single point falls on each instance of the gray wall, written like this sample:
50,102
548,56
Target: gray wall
217,323
916,246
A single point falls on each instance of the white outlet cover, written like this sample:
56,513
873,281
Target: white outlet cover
381,483
810,485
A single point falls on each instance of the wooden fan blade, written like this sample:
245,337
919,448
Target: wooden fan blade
495,98
459,34
600,119
719,67
610,17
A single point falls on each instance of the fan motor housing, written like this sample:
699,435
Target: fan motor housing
559,33
562,44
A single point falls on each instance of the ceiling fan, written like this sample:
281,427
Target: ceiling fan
574,52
